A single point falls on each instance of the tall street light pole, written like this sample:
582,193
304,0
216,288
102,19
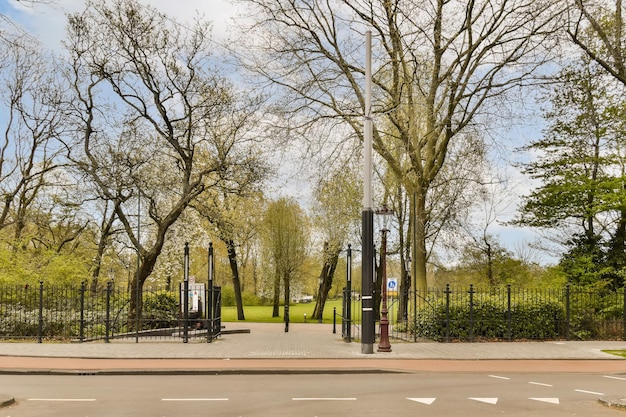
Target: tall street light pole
367,215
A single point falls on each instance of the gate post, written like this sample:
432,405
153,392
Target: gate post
108,312
82,311
447,313
624,315
209,298
40,332
508,313
471,313
567,311
186,294
348,297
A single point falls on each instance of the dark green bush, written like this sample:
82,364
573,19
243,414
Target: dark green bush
160,309
249,299
489,320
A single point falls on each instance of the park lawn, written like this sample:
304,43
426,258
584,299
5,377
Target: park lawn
621,353
263,314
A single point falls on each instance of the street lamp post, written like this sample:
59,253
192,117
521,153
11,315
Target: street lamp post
384,345
367,215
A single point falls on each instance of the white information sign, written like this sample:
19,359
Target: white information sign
195,295
392,287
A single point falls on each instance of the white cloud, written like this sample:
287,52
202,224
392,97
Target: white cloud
47,22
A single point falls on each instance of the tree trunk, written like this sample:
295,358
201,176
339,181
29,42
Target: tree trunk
490,278
232,259
403,291
275,310
326,279
103,244
135,310
136,296
616,256
405,244
286,280
419,255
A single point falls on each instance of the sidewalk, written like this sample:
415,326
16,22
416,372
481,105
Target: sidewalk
305,348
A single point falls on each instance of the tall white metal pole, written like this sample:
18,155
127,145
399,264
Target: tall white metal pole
367,215
367,128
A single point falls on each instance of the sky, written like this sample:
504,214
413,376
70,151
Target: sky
47,23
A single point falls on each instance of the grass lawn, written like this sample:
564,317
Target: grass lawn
263,314
621,353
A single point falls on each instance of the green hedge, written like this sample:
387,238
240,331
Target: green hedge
490,320
537,318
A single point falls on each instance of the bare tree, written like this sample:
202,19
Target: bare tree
33,106
440,64
224,210
147,99
598,30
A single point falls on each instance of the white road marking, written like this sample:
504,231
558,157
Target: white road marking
485,400
589,392
63,399
323,399
499,377
194,399
615,377
546,400
427,401
540,384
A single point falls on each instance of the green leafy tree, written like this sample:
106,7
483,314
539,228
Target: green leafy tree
581,166
286,239
336,214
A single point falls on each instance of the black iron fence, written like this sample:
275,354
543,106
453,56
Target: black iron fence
81,314
461,314
500,314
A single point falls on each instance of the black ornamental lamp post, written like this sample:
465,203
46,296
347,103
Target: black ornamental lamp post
384,345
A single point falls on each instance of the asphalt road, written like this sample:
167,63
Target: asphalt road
432,394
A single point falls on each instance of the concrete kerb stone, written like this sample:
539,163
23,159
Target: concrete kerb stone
6,400
618,403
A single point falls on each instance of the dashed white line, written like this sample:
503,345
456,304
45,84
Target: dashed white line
499,377
323,399
63,399
540,384
194,399
614,377
589,392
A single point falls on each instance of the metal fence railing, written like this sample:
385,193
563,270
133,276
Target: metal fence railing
501,314
445,314
80,314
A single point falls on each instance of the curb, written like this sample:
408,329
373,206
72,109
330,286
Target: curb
242,371
6,400
614,402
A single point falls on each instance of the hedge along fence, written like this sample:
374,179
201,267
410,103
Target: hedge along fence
465,314
54,312
519,314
